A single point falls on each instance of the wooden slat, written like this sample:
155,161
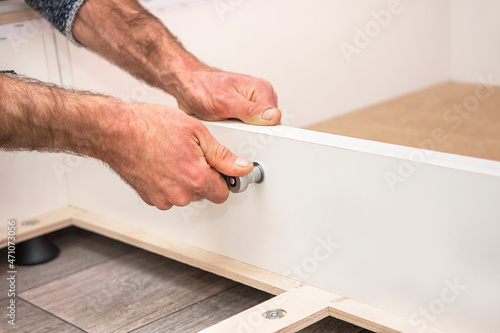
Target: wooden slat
411,120
303,305
18,16
137,289
307,305
42,225
29,318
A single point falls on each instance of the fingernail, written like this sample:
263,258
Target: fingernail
269,114
242,162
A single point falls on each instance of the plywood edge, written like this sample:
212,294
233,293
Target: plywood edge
304,304
373,318
301,306
41,225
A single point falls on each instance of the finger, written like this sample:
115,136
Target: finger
161,203
254,113
144,197
262,92
221,158
216,189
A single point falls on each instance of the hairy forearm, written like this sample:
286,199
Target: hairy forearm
128,35
38,116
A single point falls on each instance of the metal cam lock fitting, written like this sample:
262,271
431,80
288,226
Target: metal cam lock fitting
240,184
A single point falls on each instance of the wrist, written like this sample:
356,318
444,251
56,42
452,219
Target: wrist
178,71
100,131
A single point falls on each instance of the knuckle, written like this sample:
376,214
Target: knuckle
252,109
182,199
162,204
222,152
198,182
222,197
197,126
266,85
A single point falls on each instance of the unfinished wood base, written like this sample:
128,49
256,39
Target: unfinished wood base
452,117
18,16
304,304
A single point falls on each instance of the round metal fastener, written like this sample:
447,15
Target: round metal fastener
274,314
29,223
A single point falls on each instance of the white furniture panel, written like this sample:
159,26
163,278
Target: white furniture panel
327,216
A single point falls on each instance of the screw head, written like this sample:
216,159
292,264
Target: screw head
274,314
29,223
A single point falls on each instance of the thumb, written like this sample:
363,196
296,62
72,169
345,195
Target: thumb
222,159
254,113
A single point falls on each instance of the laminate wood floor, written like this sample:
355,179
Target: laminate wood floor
101,285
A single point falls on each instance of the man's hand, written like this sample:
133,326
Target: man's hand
215,95
171,159
168,157
129,36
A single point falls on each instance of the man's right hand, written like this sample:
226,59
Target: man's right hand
170,158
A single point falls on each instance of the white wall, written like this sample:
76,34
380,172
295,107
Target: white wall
296,45
475,40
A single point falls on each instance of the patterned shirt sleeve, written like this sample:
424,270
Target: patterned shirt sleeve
61,13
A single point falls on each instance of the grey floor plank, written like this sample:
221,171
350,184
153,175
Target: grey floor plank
333,325
208,312
125,293
31,319
80,249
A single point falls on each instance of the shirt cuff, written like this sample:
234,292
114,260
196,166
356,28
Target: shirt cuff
61,13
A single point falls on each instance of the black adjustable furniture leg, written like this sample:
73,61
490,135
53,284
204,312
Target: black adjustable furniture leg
36,251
